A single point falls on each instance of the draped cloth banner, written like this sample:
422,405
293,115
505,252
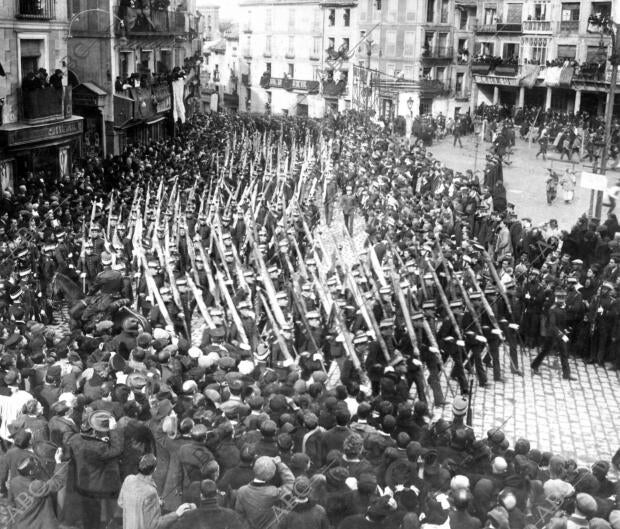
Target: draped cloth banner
529,75
552,76
566,76
178,105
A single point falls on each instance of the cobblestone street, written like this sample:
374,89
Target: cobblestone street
574,418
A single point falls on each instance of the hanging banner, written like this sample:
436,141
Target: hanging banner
178,105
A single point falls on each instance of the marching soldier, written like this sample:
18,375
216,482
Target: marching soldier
557,336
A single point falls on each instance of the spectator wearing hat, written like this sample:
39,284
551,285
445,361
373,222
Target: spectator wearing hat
96,454
459,515
255,501
377,516
304,512
140,502
194,457
39,512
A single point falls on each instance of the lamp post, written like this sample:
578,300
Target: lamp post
477,131
608,27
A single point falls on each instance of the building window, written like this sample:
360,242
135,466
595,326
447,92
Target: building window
409,44
390,43
291,70
146,57
268,20
441,73
484,48
291,45
347,18
540,11
392,10
316,73
31,56
490,16
268,67
463,19
570,12
316,46
125,63
458,87
331,43
445,11
567,51
331,18
363,10
430,11
511,51
408,71
536,50
165,61
514,15
268,44
291,20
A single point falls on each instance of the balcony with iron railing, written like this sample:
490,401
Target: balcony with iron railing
569,26
485,28
433,86
438,53
44,104
537,26
509,28
35,9
153,22
293,84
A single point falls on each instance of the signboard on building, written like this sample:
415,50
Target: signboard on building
598,182
28,134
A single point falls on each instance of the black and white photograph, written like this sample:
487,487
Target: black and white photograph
309,264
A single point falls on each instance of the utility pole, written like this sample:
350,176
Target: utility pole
612,28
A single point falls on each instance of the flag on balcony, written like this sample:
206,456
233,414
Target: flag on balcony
566,76
178,106
552,76
529,75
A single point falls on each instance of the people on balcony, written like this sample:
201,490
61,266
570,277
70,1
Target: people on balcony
34,81
56,79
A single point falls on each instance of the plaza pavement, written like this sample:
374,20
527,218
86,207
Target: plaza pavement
525,178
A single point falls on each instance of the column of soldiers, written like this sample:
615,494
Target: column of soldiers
239,226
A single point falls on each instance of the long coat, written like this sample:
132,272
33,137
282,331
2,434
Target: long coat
97,468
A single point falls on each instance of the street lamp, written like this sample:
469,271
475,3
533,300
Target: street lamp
608,27
477,132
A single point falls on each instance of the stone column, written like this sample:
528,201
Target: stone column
496,95
521,100
577,101
548,100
